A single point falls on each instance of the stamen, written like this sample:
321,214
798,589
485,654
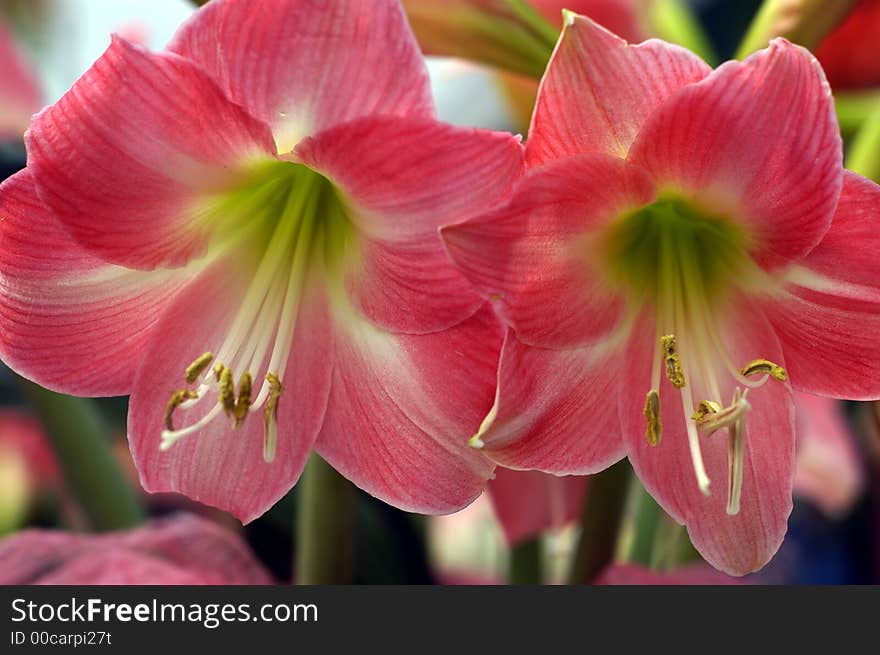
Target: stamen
170,437
705,408
654,431
177,399
243,401
723,418
270,418
736,439
227,389
687,405
766,367
674,371
194,370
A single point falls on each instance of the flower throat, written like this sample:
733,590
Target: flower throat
684,265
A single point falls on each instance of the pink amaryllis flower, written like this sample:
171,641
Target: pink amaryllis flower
178,550
528,503
20,94
241,232
685,246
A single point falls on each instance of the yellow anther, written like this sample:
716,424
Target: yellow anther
177,399
243,400
654,431
194,370
270,430
704,409
218,371
766,367
674,371
227,389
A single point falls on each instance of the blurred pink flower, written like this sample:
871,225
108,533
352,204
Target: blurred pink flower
850,55
828,469
527,503
178,550
20,93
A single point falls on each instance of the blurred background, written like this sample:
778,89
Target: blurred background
834,531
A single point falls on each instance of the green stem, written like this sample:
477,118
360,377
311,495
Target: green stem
79,438
324,526
864,152
526,563
600,523
643,517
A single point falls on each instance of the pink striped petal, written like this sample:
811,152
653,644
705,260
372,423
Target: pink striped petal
625,18
734,544
535,256
67,319
303,66
830,326
756,141
402,408
555,410
528,503
218,466
124,157
598,91
403,179
20,94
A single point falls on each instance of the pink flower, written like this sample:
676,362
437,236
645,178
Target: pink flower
180,550
685,242
241,232
828,469
528,503
20,94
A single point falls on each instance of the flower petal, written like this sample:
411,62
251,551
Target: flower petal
68,320
828,320
555,411
304,66
402,408
403,179
527,503
759,144
598,91
735,544
535,255
219,466
124,157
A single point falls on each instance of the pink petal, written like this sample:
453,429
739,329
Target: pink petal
402,408
534,254
20,94
555,410
304,66
598,91
124,157
181,549
691,574
828,470
623,17
70,321
218,466
756,141
22,434
528,503
830,328
403,179
746,541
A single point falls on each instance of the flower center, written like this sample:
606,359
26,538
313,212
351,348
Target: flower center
281,219
683,264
